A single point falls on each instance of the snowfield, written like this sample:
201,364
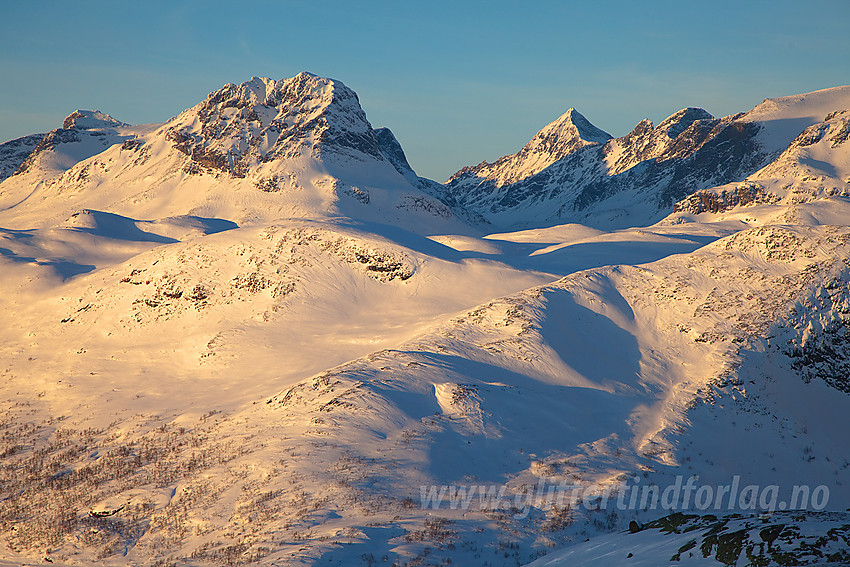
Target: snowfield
253,335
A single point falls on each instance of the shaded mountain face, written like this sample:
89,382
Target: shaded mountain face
576,176
815,166
14,152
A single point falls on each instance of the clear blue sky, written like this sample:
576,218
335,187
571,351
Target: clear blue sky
457,81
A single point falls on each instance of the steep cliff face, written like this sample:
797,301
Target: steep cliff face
815,166
14,152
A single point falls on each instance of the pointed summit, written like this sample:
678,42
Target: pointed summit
571,172
568,134
572,125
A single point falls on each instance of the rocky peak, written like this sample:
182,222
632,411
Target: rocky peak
677,136
90,120
566,134
263,119
681,120
642,128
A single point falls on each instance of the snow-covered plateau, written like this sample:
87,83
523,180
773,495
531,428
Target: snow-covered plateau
252,334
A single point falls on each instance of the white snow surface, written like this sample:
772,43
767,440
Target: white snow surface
250,334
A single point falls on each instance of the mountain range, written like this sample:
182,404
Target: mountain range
253,334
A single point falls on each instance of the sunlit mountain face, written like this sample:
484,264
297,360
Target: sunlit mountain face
252,334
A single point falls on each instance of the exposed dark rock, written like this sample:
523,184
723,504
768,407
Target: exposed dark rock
713,201
687,152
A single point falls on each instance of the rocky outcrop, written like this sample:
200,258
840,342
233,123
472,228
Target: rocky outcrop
722,199
14,152
689,151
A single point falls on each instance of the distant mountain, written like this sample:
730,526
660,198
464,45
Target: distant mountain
572,172
568,134
84,133
263,149
815,166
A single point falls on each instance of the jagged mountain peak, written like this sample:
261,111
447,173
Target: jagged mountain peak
679,121
567,134
298,147
643,127
303,88
90,120
637,178
242,125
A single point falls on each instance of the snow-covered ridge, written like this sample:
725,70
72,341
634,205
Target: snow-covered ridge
570,132
90,119
815,165
84,133
635,179
260,150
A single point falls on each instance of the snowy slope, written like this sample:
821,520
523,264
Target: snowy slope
748,541
600,374
250,153
83,134
253,335
635,179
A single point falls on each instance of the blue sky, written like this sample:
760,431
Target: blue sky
458,82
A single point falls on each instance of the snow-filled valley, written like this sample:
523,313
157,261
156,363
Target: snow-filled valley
253,335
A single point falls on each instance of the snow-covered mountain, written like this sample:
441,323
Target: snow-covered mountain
255,152
14,152
812,168
253,335
573,172
40,157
